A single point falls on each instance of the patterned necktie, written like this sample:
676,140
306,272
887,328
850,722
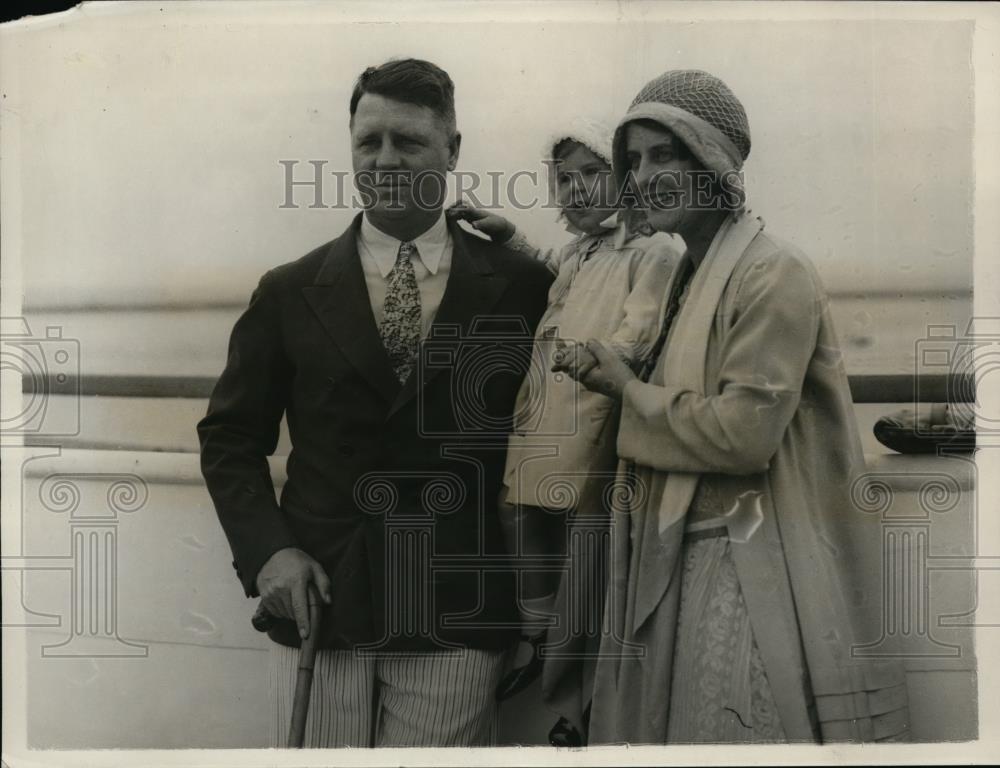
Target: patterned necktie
400,328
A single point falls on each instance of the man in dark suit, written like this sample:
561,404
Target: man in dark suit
395,353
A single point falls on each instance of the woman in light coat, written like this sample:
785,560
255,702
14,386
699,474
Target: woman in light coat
743,602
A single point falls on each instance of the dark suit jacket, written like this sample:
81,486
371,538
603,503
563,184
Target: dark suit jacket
391,488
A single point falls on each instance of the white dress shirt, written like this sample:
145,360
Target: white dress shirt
432,265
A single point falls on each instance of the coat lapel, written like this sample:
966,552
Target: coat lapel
684,366
472,291
339,297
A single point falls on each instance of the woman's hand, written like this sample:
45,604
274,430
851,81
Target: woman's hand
493,225
608,376
573,358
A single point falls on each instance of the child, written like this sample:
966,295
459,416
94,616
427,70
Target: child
610,286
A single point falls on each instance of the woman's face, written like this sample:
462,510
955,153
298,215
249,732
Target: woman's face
664,173
584,187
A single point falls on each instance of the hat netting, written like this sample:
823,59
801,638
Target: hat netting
704,96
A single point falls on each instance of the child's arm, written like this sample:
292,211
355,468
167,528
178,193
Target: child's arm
634,338
502,231
638,331
550,257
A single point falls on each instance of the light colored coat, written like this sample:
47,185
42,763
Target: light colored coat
749,405
608,287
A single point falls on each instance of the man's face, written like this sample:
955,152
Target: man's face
400,153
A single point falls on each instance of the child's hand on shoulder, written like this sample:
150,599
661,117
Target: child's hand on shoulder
493,225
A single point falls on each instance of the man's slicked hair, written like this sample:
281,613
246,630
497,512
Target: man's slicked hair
414,81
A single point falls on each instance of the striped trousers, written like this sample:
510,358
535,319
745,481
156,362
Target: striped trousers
440,699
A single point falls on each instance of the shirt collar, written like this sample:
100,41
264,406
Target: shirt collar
609,223
384,247
615,232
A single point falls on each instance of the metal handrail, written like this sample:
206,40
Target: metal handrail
865,388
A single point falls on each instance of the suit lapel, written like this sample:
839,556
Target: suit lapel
473,290
339,297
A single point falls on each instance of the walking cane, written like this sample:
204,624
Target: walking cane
262,621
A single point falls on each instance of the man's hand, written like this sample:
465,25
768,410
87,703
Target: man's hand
283,583
494,226
609,376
